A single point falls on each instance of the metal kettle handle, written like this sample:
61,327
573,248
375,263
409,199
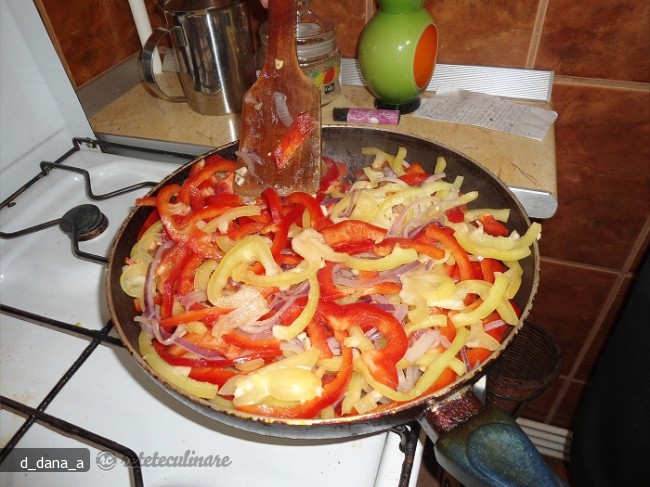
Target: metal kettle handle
146,61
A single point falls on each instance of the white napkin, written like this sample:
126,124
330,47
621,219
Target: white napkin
470,108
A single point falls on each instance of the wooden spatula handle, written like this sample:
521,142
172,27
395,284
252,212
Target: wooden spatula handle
282,31
280,143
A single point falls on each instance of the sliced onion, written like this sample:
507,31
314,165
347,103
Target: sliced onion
251,160
281,109
411,375
398,226
391,178
352,202
463,355
334,345
493,324
292,346
340,279
281,302
193,297
434,177
423,343
149,307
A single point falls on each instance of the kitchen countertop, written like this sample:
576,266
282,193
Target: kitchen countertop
527,166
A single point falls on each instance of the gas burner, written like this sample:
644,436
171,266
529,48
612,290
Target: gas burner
84,222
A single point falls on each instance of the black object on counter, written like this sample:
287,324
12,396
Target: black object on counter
611,436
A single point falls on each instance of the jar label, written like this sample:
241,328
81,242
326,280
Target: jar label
325,76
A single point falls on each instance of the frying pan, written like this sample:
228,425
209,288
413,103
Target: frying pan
477,446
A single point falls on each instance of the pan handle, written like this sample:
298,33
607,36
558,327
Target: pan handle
481,446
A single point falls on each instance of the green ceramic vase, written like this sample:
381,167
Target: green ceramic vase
397,53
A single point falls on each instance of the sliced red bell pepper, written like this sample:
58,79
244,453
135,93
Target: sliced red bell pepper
293,311
414,179
225,185
422,248
281,231
492,226
446,377
330,291
146,201
311,204
446,238
331,175
387,288
188,225
203,314
186,276
488,267
448,331
477,355
168,272
318,335
182,227
151,219
270,345
213,375
291,260
169,211
387,245
332,392
303,124
455,215
193,182
250,227
414,168
349,232
382,363
165,353
274,203
224,198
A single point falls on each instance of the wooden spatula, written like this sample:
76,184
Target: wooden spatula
280,144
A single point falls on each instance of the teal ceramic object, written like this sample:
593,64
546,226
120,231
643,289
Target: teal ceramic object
397,53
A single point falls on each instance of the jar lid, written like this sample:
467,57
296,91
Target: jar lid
314,36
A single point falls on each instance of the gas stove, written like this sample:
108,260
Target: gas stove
66,381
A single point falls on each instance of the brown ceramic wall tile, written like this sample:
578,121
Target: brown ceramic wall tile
96,37
494,33
349,17
602,150
568,304
608,40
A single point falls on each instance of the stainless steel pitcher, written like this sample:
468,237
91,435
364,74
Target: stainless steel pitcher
213,44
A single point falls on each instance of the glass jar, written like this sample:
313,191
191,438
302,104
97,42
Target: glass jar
318,55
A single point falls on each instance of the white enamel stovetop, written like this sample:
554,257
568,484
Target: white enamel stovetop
109,395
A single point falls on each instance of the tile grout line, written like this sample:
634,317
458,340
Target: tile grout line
540,17
601,83
581,265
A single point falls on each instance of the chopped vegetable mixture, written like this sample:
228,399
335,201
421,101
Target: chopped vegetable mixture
318,306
